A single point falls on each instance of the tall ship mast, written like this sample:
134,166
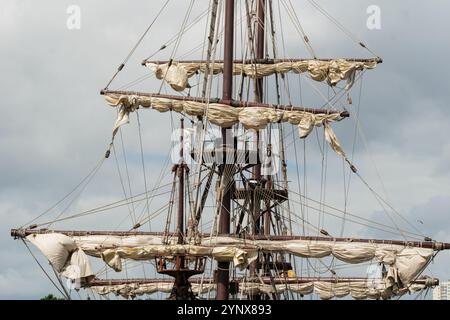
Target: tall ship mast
232,226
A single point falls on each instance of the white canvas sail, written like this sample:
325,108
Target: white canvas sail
362,289
222,115
332,71
404,263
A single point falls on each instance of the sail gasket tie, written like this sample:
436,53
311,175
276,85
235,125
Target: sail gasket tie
438,246
430,282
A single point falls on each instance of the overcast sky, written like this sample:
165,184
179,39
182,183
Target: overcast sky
55,126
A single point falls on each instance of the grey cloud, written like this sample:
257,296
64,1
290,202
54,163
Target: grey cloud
56,126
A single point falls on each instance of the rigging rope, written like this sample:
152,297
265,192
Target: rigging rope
79,193
61,284
212,51
122,65
174,38
130,209
43,270
96,210
341,27
92,172
143,169
177,43
413,235
355,136
296,22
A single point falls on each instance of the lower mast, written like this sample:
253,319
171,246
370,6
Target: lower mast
180,266
257,227
223,272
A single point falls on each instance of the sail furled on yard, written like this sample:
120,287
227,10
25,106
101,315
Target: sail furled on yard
361,289
403,262
222,115
176,74
131,290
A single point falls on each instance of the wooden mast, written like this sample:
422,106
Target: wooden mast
260,54
260,45
255,205
259,89
181,272
264,219
223,274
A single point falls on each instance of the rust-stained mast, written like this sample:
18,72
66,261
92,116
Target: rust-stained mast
181,272
223,274
260,46
259,82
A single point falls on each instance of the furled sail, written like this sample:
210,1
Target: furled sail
404,262
358,289
176,74
222,115
131,290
